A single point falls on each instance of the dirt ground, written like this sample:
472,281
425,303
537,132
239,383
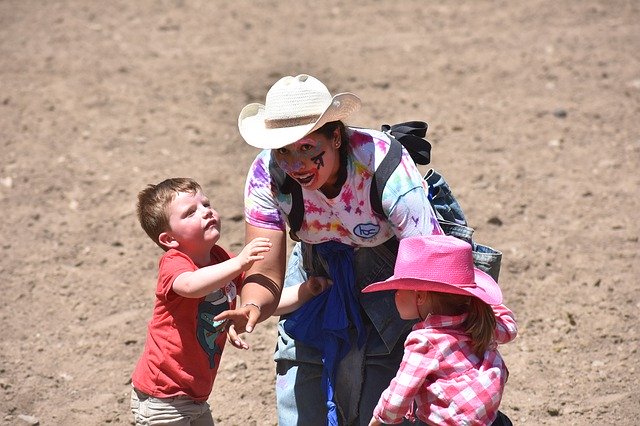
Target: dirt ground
533,110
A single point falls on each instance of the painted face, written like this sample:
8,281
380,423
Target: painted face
313,161
406,304
194,223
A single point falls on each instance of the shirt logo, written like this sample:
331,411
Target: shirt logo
366,230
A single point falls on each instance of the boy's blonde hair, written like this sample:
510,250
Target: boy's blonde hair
480,323
154,200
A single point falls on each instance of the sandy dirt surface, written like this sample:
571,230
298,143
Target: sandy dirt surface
533,110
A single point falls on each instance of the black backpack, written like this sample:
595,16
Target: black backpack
411,135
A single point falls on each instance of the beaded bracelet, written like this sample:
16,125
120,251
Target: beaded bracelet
252,304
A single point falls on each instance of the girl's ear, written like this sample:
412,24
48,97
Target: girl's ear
167,240
421,297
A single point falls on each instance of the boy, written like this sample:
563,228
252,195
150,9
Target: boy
197,279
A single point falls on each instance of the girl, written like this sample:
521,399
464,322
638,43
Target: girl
451,372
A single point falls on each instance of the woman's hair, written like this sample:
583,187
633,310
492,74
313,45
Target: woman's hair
480,323
153,202
327,131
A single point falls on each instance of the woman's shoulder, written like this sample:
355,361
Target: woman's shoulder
367,138
259,170
369,146
262,159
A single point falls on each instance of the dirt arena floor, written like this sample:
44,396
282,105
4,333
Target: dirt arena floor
534,118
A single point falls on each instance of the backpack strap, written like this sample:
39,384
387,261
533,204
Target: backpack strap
382,174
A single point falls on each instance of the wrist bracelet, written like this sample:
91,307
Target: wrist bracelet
252,304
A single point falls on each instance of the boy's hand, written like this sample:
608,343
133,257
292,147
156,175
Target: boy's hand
251,252
375,422
317,285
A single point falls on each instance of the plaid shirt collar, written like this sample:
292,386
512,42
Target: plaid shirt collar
441,321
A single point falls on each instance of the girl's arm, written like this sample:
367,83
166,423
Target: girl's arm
419,361
506,327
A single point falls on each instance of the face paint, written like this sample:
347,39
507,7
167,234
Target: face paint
292,158
289,166
318,160
312,161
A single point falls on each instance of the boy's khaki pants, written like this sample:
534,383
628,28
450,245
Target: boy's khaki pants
179,411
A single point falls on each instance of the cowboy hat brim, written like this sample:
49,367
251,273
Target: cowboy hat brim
252,126
484,288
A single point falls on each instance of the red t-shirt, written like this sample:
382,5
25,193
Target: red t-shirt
183,348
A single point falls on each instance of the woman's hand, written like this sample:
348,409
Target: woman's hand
262,285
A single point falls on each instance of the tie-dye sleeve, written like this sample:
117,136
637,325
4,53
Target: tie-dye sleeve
406,204
261,208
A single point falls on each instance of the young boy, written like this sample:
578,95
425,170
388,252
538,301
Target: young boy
197,280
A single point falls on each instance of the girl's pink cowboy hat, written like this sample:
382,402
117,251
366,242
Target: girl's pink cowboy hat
294,107
439,263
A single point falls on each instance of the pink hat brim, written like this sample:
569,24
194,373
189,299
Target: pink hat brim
484,288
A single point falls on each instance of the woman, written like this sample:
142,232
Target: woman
338,352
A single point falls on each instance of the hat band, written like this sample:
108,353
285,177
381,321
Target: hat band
290,122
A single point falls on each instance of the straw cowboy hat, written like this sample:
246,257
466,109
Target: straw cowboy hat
439,263
294,107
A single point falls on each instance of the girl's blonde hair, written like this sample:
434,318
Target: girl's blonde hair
480,323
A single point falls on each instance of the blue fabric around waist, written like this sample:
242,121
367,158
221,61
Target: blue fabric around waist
324,322
371,265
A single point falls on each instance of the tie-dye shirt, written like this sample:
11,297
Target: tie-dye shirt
348,217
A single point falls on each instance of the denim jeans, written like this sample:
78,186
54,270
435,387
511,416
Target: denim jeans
453,222
365,372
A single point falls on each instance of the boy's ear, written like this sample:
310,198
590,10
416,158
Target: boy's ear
167,240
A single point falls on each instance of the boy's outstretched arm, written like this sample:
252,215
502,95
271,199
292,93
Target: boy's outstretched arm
203,281
262,286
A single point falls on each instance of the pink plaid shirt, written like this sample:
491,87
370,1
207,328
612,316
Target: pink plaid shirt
448,382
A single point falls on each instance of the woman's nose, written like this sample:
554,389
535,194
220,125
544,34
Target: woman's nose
296,166
290,163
